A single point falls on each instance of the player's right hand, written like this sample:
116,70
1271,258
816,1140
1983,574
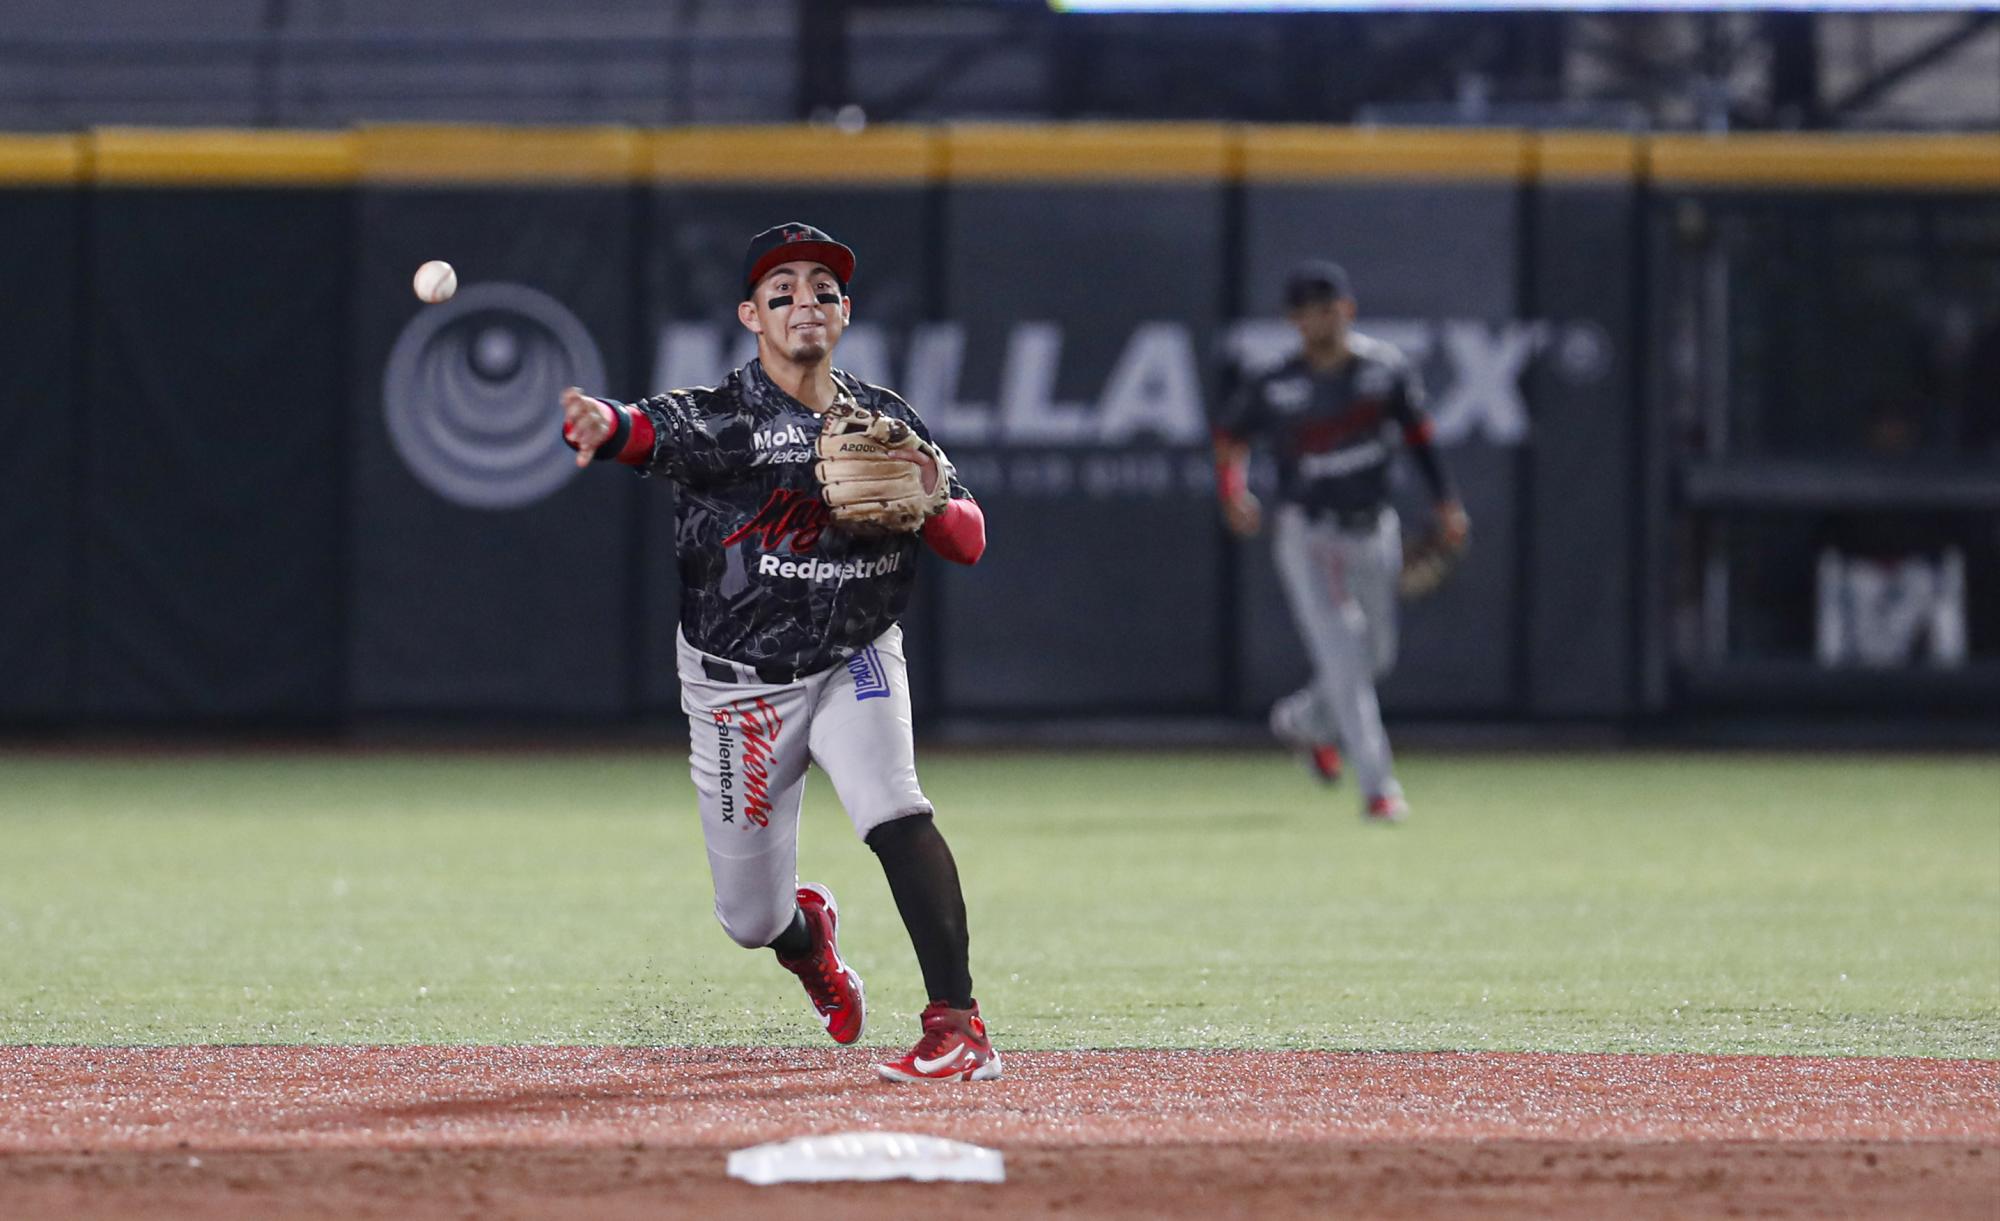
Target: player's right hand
587,424
1243,515
1453,526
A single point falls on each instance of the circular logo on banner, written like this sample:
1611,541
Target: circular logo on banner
471,391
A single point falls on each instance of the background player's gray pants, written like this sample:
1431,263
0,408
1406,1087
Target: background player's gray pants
748,747
1342,588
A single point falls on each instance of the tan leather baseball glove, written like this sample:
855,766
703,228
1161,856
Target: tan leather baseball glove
1428,562
870,474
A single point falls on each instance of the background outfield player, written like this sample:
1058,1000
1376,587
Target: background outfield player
1331,413
803,496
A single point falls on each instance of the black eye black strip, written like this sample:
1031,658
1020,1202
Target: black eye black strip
826,298
778,302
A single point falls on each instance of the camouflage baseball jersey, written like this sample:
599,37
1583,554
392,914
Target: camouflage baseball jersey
1334,433
766,578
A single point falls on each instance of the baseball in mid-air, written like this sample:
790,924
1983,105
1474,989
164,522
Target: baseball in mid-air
436,281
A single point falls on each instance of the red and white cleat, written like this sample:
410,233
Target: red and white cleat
1325,763
1389,807
831,985
954,1048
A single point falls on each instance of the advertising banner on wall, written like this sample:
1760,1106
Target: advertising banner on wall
1582,504
489,573
213,457
1082,320
38,490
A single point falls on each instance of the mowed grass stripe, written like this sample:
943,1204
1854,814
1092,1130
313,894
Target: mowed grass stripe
1712,903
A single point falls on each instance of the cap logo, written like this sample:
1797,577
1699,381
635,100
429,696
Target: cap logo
797,235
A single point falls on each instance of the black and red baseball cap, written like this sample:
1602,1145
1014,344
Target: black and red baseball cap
792,242
1317,280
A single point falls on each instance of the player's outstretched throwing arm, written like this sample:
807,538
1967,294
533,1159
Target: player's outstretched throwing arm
878,473
669,434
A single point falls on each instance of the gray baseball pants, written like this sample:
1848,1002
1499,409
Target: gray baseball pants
1341,584
749,743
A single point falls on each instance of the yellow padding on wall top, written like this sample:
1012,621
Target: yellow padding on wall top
1089,152
420,154
897,155
1587,157
154,156
1282,154
1760,159
889,155
29,160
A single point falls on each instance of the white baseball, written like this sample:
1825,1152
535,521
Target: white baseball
435,281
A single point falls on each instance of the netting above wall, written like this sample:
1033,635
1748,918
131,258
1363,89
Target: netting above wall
333,62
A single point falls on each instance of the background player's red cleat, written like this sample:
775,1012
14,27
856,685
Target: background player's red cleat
954,1048
833,987
1326,763
1388,808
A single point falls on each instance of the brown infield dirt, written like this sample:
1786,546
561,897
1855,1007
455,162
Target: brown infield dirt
432,1132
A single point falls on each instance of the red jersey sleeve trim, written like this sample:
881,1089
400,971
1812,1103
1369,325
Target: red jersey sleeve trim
1231,480
631,439
638,447
959,533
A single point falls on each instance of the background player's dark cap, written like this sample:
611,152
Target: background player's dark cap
1317,280
791,242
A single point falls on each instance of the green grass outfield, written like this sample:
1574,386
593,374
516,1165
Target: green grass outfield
1839,904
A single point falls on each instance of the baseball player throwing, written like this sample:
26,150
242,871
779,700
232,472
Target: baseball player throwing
804,495
1332,414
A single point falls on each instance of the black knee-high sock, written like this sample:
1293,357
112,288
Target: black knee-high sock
797,940
924,879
